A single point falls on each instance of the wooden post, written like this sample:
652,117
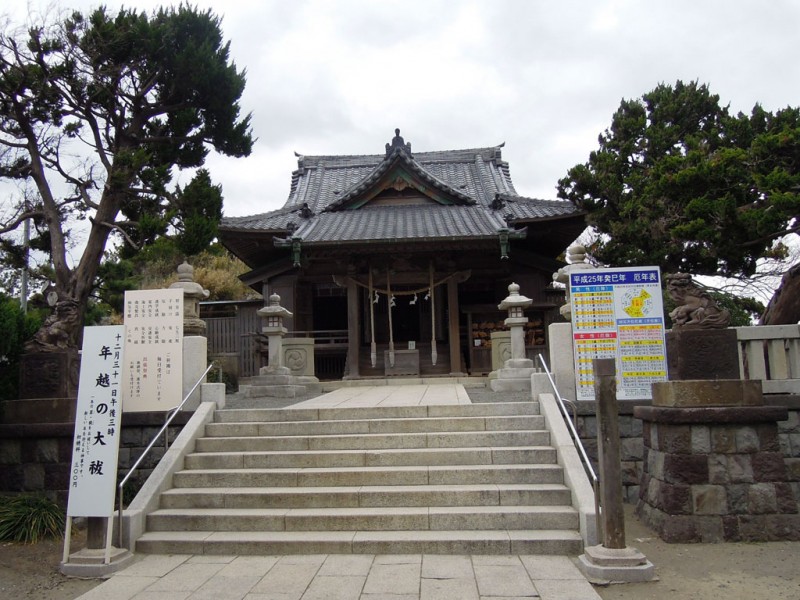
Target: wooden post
453,328
608,452
353,329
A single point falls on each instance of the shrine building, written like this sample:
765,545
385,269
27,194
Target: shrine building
396,262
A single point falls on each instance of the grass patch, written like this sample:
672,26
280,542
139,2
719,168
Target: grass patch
28,519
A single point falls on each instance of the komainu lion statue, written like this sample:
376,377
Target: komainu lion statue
695,309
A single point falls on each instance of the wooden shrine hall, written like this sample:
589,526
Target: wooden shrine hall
395,262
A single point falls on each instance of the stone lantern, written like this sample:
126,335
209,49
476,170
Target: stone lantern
193,293
273,315
517,370
516,304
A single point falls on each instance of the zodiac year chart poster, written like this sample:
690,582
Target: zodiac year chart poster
619,314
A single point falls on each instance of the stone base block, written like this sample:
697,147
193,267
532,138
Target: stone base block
606,565
49,375
90,563
702,393
682,529
510,385
39,410
213,392
275,391
702,354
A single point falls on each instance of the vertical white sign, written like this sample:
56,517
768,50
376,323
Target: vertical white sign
153,350
95,447
619,313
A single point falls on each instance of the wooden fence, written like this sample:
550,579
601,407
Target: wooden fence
771,353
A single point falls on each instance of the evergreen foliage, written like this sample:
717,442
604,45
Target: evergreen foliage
108,108
679,182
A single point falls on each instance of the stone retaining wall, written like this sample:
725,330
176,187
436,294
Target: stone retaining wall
36,458
632,446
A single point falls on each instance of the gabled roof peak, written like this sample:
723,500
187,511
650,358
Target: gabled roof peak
398,145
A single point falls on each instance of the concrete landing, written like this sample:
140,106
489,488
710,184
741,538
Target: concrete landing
390,395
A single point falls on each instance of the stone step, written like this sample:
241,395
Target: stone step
372,458
366,426
530,494
361,542
371,476
377,412
372,441
422,518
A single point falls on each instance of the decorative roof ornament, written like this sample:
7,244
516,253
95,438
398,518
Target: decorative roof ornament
398,144
305,211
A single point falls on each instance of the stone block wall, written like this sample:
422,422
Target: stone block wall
632,442
708,480
36,458
789,441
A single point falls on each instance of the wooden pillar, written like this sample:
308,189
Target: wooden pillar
353,330
608,452
454,332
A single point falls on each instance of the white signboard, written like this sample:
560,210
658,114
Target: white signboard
95,447
619,313
153,350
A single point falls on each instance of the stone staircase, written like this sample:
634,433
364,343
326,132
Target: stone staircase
444,479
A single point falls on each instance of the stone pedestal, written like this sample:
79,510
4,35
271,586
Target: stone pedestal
702,354
562,358
48,388
195,362
501,348
713,466
298,356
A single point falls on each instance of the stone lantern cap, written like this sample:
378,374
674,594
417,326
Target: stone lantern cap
187,283
274,309
514,299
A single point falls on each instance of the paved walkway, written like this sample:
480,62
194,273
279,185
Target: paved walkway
352,576
346,577
389,395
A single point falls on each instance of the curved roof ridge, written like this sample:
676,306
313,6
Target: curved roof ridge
384,166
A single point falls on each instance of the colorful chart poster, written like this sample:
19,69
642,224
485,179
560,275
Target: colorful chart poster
618,313
153,350
95,446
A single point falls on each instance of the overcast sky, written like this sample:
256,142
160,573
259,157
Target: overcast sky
337,77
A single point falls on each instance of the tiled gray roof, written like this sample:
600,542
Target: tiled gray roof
474,177
392,223
477,173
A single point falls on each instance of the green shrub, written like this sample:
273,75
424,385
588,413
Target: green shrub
28,519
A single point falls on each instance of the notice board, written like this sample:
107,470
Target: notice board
95,446
153,350
618,313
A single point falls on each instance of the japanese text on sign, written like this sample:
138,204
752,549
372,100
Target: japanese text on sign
95,446
154,349
618,313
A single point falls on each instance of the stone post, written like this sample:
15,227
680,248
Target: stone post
195,344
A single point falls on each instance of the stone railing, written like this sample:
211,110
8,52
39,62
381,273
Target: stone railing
771,353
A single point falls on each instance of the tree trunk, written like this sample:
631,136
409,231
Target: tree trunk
784,307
